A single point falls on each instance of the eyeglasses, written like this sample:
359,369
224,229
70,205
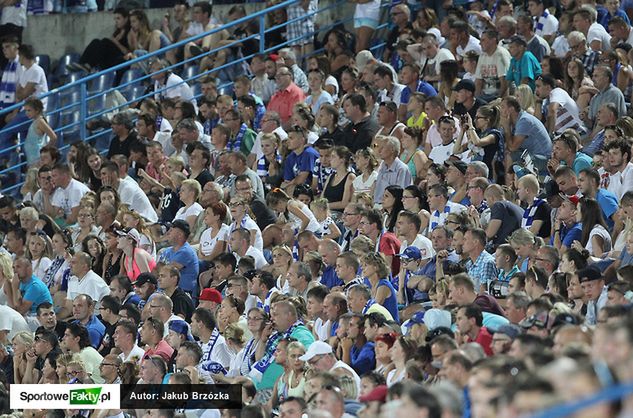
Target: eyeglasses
350,213
73,373
108,364
85,215
235,204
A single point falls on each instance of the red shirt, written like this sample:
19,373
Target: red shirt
389,244
484,339
283,101
162,349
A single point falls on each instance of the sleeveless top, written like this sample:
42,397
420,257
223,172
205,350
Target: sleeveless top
33,143
113,268
411,164
296,223
296,391
334,193
391,302
136,271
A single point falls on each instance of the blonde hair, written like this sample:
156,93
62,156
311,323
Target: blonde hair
362,244
525,97
321,203
193,185
364,199
522,237
24,337
6,265
30,182
48,246
234,333
177,161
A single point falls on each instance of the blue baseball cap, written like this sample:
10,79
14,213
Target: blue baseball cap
411,253
180,327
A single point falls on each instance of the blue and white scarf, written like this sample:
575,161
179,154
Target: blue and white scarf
9,84
530,212
438,216
368,305
237,142
269,355
539,22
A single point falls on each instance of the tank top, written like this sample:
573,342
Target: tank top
391,302
136,271
33,143
334,193
296,391
411,164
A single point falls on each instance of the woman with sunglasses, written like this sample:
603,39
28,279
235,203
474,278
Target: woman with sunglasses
483,138
135,259
241,219
85,226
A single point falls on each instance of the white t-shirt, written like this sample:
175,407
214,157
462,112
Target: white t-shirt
207,244
91,284
257,145
600,231
490,68
250,224
40,266
260,260
137,352
37,76
69,198
364,186
621,182
193,210
174,88
568,113
472,45
391,96
423,244
13,321
369,10
598,32
132,195
560,46
440,153
550,25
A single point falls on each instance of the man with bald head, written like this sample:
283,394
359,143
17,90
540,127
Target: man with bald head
84,280
26,292
329,250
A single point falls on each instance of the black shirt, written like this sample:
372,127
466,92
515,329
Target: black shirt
510,216
360,135
122,147
108,338
183,305
264,216
204,177
460,109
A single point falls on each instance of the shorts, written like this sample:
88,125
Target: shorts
370,23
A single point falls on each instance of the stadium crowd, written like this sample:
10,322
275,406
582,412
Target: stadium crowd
442,229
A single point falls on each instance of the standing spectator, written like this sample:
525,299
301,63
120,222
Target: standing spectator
181,256
524,66
286,96
392,171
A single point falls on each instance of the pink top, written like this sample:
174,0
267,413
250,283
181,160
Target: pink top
134,272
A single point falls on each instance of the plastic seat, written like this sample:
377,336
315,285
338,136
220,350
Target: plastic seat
61,72
70,126
52,114
131,76
97,104
190,74
101,83
132,94
44,61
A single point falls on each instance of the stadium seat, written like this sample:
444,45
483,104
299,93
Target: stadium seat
61,72
190,73
131,76
101,83
52,115
44,61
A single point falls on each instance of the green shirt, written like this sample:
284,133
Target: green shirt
272,373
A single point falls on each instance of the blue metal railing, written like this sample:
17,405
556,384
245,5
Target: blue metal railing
73,101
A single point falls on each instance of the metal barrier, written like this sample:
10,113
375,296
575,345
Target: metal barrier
74,104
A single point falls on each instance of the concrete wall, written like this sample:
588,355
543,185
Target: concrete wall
60,34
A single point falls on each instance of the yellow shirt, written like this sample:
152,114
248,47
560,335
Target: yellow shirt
418,123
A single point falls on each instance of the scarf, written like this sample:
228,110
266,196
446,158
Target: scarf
214,339
260,367
368,305
528,214
8,84
437,215
237,142
539,23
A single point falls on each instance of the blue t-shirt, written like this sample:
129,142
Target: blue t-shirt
96,330
527,67
537,140
569,235
363,358
35,291
296,164
187,257
391,303
329,278
608,204
422,87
